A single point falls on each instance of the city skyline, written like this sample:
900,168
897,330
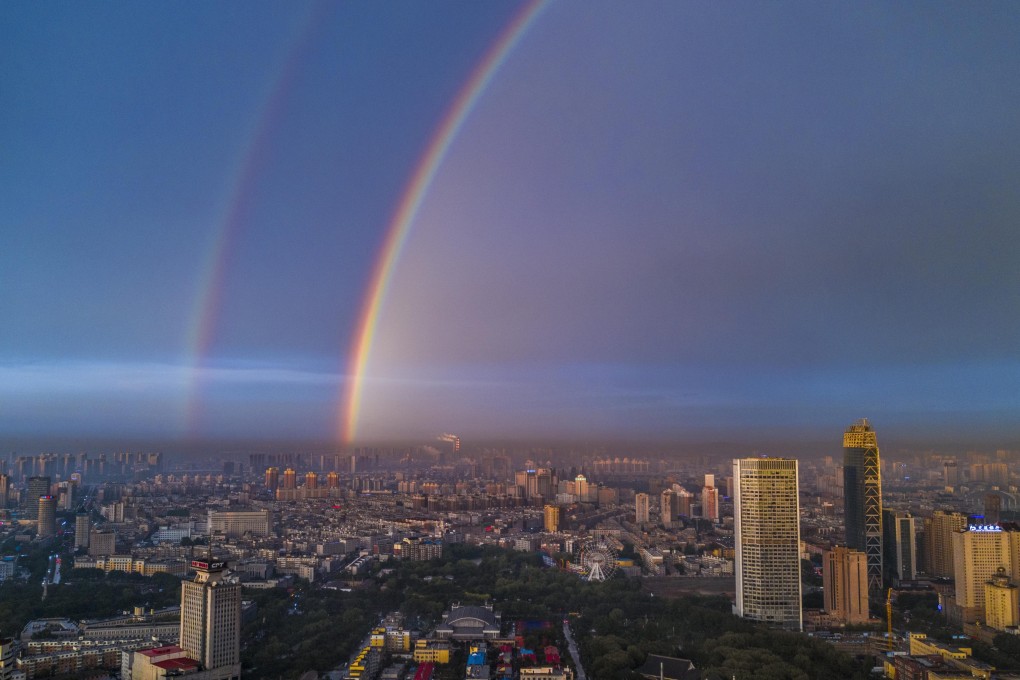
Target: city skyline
341,224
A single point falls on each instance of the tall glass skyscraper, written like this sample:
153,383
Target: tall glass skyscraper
862,497
766,524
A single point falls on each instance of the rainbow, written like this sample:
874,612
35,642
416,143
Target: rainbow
407,209
213,271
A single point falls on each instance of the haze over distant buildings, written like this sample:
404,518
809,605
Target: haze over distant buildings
665,221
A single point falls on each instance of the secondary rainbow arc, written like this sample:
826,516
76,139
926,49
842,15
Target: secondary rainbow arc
407,209
214,269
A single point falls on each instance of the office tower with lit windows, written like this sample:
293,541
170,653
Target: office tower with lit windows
862,497
845,584
766,516
211,619
641,508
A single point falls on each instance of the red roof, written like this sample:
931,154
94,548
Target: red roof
160,651
183,663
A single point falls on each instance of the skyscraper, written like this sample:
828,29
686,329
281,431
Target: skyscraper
82,527
905,540
272,478
641,508
552,518
47,516
766,514
862,497
668,507
938,541
211,619
710,499
37,486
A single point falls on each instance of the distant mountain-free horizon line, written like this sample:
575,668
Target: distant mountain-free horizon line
736,446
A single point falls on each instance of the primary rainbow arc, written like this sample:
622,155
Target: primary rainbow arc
403,218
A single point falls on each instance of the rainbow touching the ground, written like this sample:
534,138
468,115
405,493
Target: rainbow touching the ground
238,202
407,209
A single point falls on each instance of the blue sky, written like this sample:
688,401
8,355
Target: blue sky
665,220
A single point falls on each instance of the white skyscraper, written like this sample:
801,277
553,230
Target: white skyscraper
766,509
211,619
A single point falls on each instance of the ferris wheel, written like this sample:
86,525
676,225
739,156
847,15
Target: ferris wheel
597,560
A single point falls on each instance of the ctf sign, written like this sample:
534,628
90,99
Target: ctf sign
208,566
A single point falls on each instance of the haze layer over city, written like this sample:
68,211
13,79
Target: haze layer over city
703,226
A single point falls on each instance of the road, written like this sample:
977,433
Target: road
572,648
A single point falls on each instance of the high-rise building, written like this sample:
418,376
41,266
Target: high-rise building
710,499
978,553
211,618
552,518
685,499
5,490
641,508
581,489
845,584
311,480
899,534
1002,601
47,516
938,541
37,486
766,515
333,480
8,657
950,473
862,497
668,506
289,479
993,508
82,527
272,478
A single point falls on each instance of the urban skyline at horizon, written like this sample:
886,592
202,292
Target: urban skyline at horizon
671,225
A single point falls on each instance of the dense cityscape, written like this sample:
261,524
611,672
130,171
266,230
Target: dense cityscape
516,340
907,566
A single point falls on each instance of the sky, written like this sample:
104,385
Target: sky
652,221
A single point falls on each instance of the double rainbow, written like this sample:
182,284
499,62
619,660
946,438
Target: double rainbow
403,218
214,269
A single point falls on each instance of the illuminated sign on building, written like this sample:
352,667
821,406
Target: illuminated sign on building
984,527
